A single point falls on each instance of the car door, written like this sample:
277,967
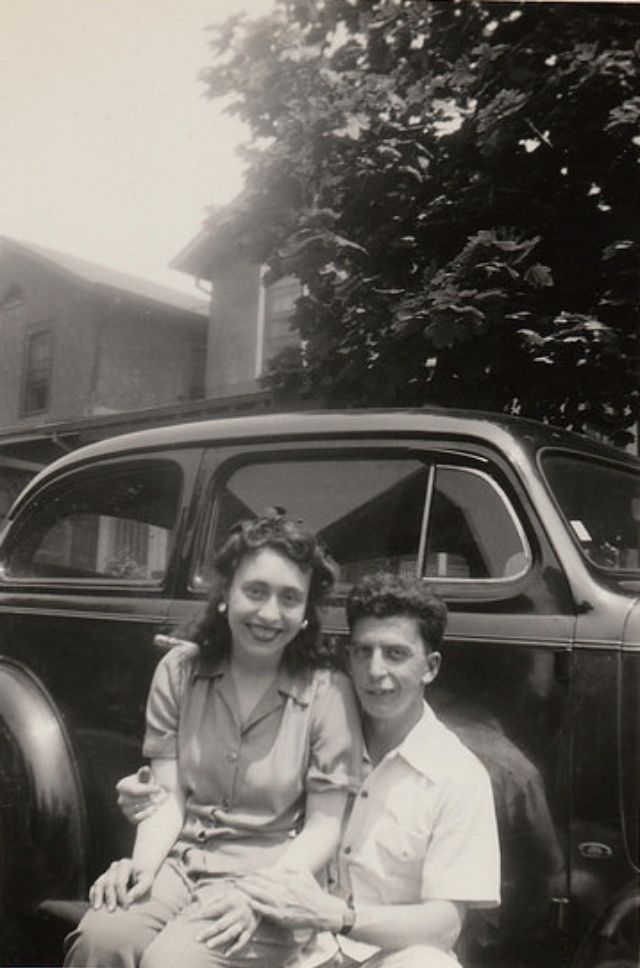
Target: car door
463,521
88,570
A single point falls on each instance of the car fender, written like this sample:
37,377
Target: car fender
42,813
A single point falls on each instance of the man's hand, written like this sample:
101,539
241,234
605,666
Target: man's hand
120,884
293,898
139,795
232,918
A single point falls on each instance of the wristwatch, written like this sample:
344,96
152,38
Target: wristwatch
348,920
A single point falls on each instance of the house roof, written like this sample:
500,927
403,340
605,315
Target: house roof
97,275
197,256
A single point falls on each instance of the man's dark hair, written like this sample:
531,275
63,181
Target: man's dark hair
384,595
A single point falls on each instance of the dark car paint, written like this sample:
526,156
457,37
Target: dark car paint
540,676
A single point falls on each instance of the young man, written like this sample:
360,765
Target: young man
420,844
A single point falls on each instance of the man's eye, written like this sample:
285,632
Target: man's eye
396,654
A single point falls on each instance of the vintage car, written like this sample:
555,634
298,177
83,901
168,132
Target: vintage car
532,536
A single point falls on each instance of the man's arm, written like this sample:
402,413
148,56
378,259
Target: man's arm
128,879
296,900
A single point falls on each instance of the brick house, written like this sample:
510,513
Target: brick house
248,321
81,340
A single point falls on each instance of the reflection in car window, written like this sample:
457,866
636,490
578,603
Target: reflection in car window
601,503
368,511
116,526
473,532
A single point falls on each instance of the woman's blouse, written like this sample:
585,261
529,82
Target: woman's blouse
245,782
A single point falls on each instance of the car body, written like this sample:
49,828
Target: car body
531,535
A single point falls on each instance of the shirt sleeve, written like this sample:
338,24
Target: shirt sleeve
335,755
163,704
462,861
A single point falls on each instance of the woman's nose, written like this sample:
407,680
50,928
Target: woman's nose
269,609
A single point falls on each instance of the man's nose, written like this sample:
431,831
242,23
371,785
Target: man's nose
377,664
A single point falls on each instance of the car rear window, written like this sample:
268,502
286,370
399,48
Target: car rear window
115,525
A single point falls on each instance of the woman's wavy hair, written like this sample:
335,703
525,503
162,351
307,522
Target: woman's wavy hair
294,541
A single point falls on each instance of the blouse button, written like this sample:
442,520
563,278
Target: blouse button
347,850
364,794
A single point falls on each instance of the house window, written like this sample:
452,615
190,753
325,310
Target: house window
280,300
196,368
12,305
37,372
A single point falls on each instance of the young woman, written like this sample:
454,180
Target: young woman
256,742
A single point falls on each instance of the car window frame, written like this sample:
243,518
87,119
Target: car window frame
512,514
52,486
431,453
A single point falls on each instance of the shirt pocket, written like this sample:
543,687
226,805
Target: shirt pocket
401,850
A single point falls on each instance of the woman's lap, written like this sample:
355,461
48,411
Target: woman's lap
161,932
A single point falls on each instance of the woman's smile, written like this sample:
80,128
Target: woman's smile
266,604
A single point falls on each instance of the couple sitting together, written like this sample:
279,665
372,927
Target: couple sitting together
287,821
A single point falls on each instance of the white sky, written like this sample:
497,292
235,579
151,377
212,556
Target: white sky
108,148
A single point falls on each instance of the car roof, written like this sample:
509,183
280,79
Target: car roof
505,433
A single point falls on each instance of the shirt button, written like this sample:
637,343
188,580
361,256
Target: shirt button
232,757
226,804
347,850
364,794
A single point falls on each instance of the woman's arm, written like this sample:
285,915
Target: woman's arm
316,843
127,880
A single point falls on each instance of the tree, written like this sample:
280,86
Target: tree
456,186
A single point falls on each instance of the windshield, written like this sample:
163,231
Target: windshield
601,503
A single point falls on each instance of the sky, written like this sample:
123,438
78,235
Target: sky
108,148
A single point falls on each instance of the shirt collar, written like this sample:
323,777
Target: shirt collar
423,747
297,685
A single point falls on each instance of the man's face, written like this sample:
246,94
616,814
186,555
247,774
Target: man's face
390,668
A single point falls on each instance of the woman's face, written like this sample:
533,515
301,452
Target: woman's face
266,604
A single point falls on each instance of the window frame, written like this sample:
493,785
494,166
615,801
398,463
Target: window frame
506,503
599,571
23,524
471,589
33,334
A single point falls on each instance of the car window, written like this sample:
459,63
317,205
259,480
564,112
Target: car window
601,503
368,511
473,532
115,525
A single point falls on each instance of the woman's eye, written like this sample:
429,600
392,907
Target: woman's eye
291,598
253,591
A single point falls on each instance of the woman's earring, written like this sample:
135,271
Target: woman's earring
222,607
304,624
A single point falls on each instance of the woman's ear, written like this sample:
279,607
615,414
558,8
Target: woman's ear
434,659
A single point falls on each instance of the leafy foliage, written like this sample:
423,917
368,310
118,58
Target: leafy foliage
456,186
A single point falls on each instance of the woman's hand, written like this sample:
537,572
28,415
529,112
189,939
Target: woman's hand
233,920
139,795
120,884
